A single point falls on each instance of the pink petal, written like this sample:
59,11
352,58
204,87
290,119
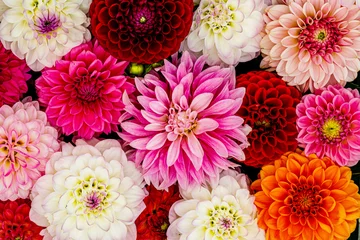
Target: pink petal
201,102
215,144
158,107
173,152
230,122
157,141
194,145
205,125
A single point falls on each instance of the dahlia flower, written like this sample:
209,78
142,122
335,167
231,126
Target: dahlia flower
89,191
141,31
306,198
228,32
82,92
185,127
269,109
13,77
329,124
312,43
225,212
41,32
15,222
153,222
26,144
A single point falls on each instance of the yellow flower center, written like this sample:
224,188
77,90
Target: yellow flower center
164,226
142,20
331,128
320,35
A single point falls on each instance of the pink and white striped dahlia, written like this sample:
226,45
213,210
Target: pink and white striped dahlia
26,144
82,92
185,126
329,124
312,43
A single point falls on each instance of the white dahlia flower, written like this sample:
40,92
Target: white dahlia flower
90,191
42,31
228,31
225,212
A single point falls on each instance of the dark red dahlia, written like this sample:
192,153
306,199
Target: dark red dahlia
153,222
269,108
13,77
141,31
15,223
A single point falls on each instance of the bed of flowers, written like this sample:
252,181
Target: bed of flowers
179,119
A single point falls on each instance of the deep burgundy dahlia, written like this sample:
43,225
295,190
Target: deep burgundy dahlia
269,108
142,31
15,222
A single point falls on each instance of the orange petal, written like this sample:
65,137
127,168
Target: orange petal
280,174
279,194
292,178
308,234
270,222
274,209
325,224
345,173
350,204
341,184
304,170
342,230
312,222
326,184
319,175
338,195
328,203
293,166
268,184
351,189
283,223
262,201
332,173
267,170
294,219
285,210
295,230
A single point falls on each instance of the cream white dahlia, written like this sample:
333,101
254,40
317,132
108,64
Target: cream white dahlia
228,31
42,31
89,191
225,212
3,8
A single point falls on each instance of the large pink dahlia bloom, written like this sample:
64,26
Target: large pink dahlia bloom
329,124
312,43
82,93
26,144
185,127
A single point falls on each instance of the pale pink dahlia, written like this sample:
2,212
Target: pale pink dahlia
82,92
312,43
329,124
185,127
26,144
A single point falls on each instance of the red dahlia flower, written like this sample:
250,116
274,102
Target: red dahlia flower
15,223
142,31
269,108
153,222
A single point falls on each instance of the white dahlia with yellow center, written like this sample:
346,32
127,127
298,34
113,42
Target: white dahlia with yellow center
228,31
89,191
222,212
42,31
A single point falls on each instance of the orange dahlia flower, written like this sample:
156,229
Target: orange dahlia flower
307,198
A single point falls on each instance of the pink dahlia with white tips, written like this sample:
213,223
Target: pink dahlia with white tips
82,92
312,43
185,126
329,124
26,143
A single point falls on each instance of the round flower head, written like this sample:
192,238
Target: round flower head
269,109
227,31
141,31
329,124
306,198
82,92
312,43
15,222
89,191
26,144
153,222
13,77
185,127
43,31
226,212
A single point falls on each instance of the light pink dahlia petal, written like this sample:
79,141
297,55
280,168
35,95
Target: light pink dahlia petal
187,128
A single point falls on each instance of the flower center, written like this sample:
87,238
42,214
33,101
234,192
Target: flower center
223,220
181,122
331,129
217,16
88,92
321,37
304,200
143,19
47,23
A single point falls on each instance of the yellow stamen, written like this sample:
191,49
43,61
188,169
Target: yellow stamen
331,128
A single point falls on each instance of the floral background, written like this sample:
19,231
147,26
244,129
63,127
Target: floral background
179,119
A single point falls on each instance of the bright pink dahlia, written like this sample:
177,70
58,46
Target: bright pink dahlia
13,77
82,92
185,126
26,144
312,43
329,124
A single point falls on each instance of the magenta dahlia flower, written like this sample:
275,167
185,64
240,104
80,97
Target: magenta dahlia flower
82,92
26,143
13,77
185,126
329,124
312,43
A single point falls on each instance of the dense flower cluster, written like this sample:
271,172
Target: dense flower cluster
142,31
301,197
186,135
269,109
82,92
